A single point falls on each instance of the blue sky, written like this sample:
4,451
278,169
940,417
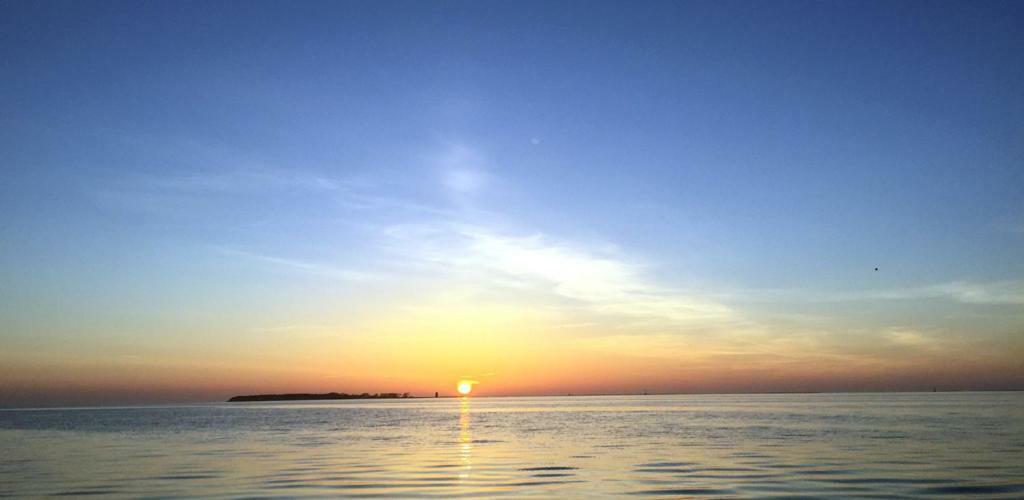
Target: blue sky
730,167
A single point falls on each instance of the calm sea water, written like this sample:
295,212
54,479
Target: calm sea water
853,445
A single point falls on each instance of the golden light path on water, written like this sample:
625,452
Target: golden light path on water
465,441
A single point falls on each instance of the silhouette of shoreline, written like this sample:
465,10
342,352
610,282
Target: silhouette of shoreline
314,397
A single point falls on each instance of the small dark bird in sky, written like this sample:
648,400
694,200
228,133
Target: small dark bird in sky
876,269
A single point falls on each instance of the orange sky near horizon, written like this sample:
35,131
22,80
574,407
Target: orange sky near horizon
506,359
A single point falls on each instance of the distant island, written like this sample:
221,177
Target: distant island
308,397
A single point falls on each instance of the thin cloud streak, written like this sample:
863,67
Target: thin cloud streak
318,269
242,181
989,293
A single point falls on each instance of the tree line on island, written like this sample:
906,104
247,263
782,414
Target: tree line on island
306,397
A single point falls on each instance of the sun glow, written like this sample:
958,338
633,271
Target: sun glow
465,387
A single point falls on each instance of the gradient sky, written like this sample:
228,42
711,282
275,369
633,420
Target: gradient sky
205,199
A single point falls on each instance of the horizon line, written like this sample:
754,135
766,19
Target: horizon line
763,393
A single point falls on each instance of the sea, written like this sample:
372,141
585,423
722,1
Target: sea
893,445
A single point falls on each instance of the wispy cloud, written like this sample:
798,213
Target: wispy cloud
212,192
1004,292
291,329
609,284
982,293
315,268
420,239
442,241
910,338
463,170
602,283
240,181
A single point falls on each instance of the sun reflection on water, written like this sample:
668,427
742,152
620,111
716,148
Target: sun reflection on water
465,440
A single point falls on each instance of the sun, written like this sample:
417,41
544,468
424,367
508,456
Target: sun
465,387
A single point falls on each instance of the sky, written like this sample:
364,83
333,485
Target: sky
206,199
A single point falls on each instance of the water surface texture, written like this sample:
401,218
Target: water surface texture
923,445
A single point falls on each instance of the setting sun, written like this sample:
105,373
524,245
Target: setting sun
465,387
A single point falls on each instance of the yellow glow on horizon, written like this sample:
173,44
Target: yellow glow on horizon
465,387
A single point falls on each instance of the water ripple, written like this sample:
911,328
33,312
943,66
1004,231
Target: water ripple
950,445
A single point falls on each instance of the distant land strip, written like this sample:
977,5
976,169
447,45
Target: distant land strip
308,397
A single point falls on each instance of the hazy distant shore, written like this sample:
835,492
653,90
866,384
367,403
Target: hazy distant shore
308,397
